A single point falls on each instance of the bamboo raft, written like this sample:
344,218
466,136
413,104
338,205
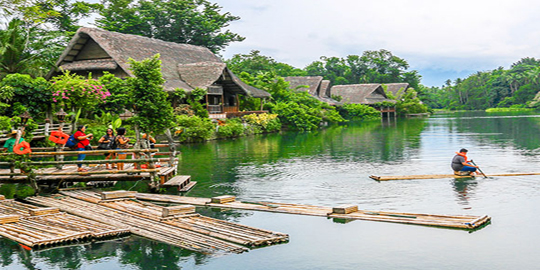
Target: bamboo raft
467,222
179,227
40,228
439,176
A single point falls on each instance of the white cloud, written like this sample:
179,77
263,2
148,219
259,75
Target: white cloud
454,35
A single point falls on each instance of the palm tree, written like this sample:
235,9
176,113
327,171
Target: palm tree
26,49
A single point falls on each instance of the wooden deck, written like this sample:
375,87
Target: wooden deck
184,229
440,176
95,173
467,222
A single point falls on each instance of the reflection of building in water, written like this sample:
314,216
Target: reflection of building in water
464,189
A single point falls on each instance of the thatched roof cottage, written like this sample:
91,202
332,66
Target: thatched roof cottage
317,87
367,94
183,66
397,89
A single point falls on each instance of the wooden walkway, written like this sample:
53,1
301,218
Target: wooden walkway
40,228
467,222
180,227
95,173
440,176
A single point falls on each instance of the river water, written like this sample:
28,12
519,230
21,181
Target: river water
331,167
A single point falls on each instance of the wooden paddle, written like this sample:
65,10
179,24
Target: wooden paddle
479,169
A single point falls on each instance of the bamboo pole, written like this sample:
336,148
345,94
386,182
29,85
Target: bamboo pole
439,176
89,152
88,173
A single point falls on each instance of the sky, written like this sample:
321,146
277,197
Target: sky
440,39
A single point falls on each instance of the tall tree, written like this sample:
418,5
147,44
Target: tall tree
26,49
67,13
255,62
196,22
372,67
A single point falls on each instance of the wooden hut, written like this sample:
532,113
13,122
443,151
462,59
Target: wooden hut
368,94
397,89
316,87
184,66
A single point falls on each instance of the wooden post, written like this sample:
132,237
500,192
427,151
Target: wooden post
172,147
59,148
47,128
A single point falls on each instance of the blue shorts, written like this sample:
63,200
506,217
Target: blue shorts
468,169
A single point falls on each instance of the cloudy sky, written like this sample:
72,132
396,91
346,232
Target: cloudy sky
441,39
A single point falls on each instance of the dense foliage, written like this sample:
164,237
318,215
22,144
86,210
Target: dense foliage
77,93
196,22
407,102
296,109
514,87
32,93
153,112
372,67
254,62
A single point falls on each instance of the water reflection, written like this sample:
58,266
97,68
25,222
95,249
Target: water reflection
464,189
131,252
330,167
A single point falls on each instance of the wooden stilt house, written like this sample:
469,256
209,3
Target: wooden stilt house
397,89
371,94
184,66
316,87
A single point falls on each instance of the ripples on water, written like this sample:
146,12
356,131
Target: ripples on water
332,167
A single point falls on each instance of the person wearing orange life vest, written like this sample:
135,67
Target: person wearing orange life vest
461,165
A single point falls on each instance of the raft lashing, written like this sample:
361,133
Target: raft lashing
465,222
178,225
40,228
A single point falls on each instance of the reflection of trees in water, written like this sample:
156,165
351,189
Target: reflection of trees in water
135,252
464,189
521,131
213,164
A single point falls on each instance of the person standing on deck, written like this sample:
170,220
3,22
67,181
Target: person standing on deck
82,145
461,165
11,141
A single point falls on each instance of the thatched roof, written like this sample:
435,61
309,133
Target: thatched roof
313,83
183,66
394,88
324,89
360,93
317,87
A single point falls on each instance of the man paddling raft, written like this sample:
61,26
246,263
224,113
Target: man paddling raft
461,165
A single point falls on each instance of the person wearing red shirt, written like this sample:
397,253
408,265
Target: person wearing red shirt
83,143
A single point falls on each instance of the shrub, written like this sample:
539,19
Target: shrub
194,128
263,122
231,128
359,112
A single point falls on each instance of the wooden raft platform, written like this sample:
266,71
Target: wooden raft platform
179,227
467,222
47,227
95,173
439,176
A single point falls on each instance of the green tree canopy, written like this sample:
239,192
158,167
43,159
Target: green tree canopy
372,67
25,48
196,22
254,62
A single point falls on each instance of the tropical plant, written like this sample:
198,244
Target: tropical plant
33,93
196,22
194,128
77,93
24,48
153,113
